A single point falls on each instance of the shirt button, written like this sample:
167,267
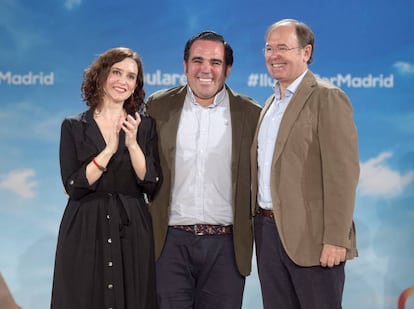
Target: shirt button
110,264
109,240
72,182
110,286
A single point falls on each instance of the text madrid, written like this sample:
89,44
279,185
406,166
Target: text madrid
340,80
171,79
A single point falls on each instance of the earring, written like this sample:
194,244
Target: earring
131,101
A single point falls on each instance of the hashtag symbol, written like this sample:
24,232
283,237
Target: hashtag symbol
252,80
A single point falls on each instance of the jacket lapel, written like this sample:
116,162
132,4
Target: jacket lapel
236,118
237,121
168,128
295,106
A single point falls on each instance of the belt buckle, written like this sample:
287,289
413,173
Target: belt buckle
197,231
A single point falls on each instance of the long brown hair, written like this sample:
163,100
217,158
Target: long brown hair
95,76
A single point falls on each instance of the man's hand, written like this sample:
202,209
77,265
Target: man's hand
332,255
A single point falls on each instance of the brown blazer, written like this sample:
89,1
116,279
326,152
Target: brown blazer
165,107
314,172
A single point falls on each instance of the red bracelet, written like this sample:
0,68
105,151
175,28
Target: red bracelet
100,167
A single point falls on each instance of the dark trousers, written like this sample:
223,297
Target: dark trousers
198,272
286,285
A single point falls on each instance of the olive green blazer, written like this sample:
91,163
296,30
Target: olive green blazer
165,107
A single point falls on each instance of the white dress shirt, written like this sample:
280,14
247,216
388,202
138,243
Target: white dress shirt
268,132
202,188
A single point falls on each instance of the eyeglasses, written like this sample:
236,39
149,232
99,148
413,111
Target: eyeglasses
279,49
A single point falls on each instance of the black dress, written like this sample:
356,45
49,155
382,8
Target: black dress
105,255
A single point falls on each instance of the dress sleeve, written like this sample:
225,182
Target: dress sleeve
72,166
148,140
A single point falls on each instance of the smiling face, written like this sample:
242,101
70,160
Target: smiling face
206,70
287,65
121,81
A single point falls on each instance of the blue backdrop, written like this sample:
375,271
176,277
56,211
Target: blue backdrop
365,48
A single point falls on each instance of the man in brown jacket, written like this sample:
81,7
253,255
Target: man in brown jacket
201,216
305,171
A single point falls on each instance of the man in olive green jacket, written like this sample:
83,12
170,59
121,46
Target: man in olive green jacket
201,216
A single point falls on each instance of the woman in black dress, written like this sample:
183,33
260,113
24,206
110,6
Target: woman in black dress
110,168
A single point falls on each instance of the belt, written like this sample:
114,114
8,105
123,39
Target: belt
265,212
205,229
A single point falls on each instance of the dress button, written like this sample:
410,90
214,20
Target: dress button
108,217
109,240
72,182
110,286
110,264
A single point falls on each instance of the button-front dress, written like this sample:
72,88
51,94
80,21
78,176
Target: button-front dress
105,256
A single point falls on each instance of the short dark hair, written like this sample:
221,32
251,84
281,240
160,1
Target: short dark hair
210,36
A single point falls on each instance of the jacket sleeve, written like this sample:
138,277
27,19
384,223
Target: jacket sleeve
340,166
